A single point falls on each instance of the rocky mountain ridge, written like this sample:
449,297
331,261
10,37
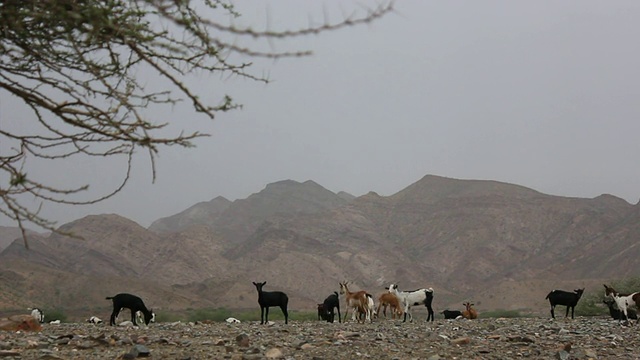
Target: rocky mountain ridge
500,245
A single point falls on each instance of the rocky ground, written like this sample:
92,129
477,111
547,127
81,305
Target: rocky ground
533,338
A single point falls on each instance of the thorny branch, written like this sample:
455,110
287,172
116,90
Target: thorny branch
74,64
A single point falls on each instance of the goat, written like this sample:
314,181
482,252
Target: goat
566,298
139,317
132,303
412,298
452,314
357,301
390,300
470,313
616,314
623,301
266,299
321,313
94,320
369,310
37,314
330,303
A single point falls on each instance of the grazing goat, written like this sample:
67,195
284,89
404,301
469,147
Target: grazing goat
132,303
94,320
616,314
566,298
470,313
321,313
390,300
452,314
624,301
139,317
330,303
412,298
37,314
357,301
266,299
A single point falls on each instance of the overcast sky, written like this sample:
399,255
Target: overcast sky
544,94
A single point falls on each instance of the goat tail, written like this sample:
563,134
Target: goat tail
109,298
549,294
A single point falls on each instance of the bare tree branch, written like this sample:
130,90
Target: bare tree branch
74,64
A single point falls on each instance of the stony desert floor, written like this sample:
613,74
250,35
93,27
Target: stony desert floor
513,338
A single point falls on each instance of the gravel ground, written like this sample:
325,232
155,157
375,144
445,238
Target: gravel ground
533,338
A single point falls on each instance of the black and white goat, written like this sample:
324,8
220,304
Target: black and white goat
131,302
94,320
412,298
140,317
566,298
624,301
616,314
452,314
37,314
330,303
267,299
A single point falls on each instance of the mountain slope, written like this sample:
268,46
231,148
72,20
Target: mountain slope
499,245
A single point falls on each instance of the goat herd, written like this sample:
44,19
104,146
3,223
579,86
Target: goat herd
362,305
399,302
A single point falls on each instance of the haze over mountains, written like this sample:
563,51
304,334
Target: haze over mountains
500,245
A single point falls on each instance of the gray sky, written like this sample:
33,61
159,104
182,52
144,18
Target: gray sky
543,94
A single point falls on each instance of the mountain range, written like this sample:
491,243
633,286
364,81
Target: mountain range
500,245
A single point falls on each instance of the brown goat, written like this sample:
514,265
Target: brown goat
391,300
470,313
357,301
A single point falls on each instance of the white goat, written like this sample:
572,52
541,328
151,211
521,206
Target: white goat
411,298
37,314
369,312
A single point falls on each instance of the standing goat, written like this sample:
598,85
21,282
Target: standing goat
412,298
267,299
469,312
357,301
623,301
390,300
568,299
132,303
616,314
330,303
37,314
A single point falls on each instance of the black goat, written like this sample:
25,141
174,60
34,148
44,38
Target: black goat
132,303
568,299
330,303
427,303
321,313
616,314
266,299
451,314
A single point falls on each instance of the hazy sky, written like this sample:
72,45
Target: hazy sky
544,94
